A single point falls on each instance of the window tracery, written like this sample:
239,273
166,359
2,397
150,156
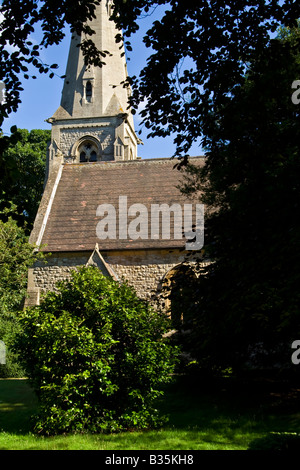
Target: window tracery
88,152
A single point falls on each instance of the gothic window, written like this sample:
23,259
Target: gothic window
88,152
89,91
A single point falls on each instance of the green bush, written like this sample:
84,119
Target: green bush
96,356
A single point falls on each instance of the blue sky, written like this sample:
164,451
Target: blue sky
41,97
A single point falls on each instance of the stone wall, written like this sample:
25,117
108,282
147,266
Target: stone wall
57,268
143,269
71,135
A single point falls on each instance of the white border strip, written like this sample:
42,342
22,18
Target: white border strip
49,207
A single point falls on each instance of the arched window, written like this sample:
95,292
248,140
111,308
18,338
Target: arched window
89,91
177,286
88,151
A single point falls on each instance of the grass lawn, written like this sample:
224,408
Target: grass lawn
222,415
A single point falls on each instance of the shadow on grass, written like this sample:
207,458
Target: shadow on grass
203,414
233,406
277,441
17,404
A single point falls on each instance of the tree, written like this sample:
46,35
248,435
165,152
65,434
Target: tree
199,54
16,256
249,300
22,172
96,356
20,57
218,73
198,51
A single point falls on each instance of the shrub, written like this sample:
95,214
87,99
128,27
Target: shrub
96,356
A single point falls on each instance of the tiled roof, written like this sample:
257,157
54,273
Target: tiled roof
72,220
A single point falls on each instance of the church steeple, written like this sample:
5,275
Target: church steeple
93,122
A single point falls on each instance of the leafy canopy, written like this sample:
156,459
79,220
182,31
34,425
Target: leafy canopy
22,172
16,256
251,189
18,53
199,54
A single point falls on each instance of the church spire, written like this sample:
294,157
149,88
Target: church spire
93,122
88,91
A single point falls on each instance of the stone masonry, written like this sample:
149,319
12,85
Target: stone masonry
144,270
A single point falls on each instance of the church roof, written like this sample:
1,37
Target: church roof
70,215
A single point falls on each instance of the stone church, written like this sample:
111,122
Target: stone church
99,197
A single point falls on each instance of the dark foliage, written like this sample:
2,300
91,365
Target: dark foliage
248,305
